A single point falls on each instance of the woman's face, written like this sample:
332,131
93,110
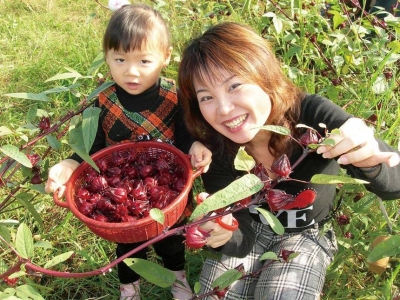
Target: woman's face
233,107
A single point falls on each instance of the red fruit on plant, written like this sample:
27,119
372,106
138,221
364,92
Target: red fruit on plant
309,137
220,293
388,74
44,123
302,199
349,235
36,179
10,281
33,158
343,220
281,166
118,194
244,201
277,199
285,254
336,81
146,170
261,173
196,237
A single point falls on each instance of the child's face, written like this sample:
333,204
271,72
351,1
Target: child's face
234,107
137,70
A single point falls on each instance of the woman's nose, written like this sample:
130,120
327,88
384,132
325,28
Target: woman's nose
225,106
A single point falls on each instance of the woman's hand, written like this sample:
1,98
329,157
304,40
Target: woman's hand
201,156
218,236
59,175
357,145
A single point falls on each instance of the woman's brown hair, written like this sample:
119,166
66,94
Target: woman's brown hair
240,51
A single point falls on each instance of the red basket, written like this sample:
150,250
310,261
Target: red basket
141,229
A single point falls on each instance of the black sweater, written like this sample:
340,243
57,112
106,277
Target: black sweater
314,110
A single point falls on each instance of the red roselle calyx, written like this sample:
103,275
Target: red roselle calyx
196,237
285,254
277,199
44,123
281,166
309,137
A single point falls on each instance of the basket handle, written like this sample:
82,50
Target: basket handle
57,201
196,173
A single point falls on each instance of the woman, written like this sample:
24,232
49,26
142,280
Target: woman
231,84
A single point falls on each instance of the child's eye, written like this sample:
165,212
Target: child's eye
145,61
120,60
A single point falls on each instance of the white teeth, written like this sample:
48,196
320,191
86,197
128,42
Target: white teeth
236,122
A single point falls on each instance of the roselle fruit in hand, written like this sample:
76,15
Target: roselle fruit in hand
277,199
196,237
309,137
281,166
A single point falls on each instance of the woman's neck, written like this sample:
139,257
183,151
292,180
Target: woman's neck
259,150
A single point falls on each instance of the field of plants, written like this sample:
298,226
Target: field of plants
51,68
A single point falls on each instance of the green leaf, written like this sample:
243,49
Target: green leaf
390,247
272,220
152,272
5,130
15,154
197,287
101,88
5,234
58,259
90,121
157,215
335,179
336,131
43,244
64,76
226,279
24,241
31,114
60,89
53,142
243,161
96,64
241,188
277,129
269,255
29,96
23,199
28,292
328,141
76,142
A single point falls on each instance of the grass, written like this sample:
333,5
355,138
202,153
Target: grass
39,39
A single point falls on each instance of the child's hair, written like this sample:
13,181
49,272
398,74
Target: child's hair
240,51
136,26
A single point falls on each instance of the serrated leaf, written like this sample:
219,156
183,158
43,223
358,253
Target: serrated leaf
24,241
335,179
53,142
23,199
269,255
277,129
17,155
58,259
31,114
197,287
243,161
4,130
90,121
5,234
152,272
329,142
387,248
28,292
29,96
241,188
64,76
272,220
157,215
101,88
226,279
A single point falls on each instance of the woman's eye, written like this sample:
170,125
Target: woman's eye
205,98
233,86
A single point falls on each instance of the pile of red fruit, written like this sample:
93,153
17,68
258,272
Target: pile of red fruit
129,184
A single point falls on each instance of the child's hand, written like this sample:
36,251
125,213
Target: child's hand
357,145
59,175
201,156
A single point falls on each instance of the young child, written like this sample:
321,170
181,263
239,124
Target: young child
231,85
140,105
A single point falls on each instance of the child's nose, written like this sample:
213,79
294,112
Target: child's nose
132,70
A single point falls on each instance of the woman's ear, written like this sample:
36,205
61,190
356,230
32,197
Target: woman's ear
168,56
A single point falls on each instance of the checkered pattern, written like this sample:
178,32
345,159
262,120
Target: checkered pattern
299,279
158,123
